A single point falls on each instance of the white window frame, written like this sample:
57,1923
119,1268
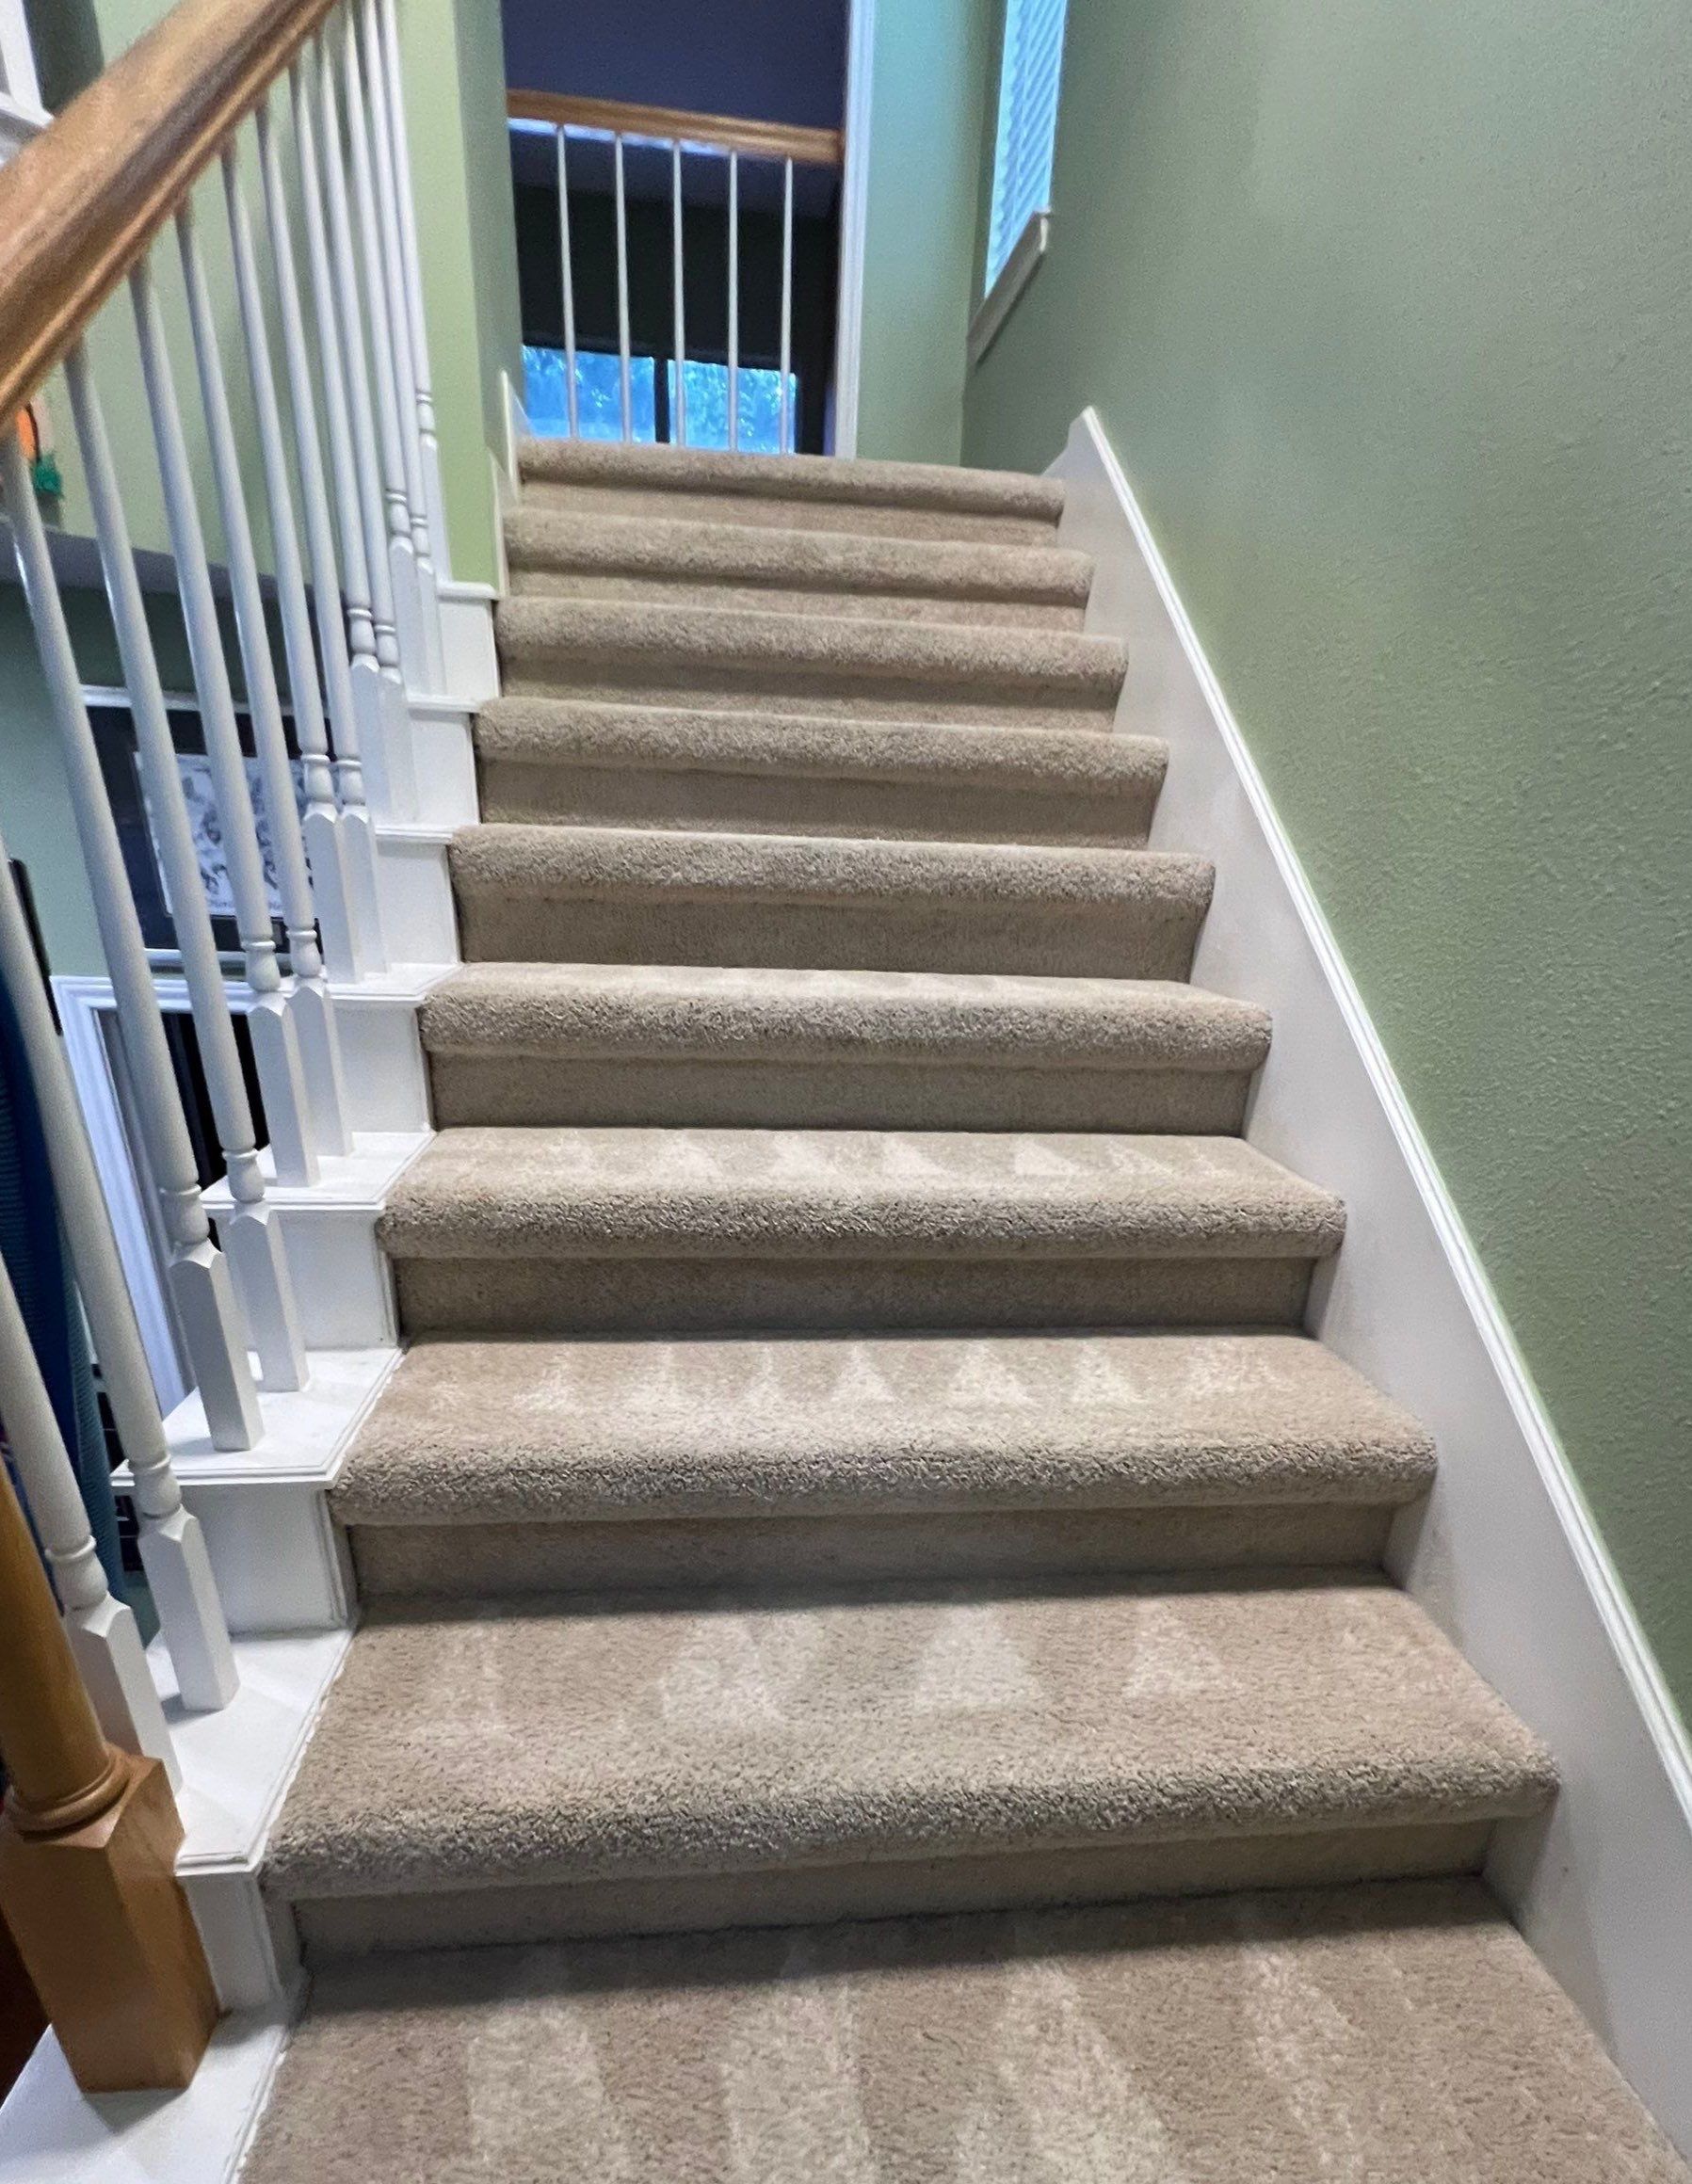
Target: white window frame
1005,281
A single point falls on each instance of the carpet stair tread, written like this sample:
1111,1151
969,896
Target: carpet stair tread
903,669
643,894
560,552
1227,2040
841,1016
902,498
509,1742
511,1432
541,1193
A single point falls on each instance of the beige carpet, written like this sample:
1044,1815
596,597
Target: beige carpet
1374,2036
860,1457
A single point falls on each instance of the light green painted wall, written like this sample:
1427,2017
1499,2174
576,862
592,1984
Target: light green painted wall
455,94
928,91
456,105
1385,311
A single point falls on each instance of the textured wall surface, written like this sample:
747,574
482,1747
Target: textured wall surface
1385,311
926,122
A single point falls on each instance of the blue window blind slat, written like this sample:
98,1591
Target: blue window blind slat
1030,71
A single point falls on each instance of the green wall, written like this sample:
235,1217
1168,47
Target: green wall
455,94
455,88
1385,311
929,92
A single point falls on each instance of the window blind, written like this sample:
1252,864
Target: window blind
1029,69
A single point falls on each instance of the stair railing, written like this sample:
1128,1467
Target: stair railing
722,143
275,316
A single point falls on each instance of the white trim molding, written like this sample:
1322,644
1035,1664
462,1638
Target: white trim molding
854,216
1014,276
1503,1556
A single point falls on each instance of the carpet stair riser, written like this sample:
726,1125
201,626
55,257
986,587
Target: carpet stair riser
741,568
857,519
629,1295
341,1926
608,652
540,1089
883,607
548,761
563,895
635,924
813,493
470,1562
727,802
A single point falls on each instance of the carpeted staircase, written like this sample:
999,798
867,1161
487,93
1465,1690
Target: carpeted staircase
858,1461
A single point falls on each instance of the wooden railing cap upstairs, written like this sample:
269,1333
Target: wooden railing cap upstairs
676,125
79,205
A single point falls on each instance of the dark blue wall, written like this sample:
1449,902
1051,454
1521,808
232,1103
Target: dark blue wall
767,60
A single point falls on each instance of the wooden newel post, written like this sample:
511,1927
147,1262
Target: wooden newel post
88,1850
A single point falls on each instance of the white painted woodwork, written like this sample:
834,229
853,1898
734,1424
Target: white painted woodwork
784,396
271,1021
1504,1555
624,383
307,993
346,364
253,1243
339,842
733,300
571,399
402,552
202,1293
391,251
421,375
677,272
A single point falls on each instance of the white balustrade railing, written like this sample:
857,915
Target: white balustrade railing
720,165
329,554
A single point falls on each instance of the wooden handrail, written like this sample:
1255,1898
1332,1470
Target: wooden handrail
80,204
675,124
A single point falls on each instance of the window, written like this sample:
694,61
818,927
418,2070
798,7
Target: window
652,400
1029,70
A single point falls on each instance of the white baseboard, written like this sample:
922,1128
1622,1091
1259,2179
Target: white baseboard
1505,1555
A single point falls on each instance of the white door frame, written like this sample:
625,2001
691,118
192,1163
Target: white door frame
854,205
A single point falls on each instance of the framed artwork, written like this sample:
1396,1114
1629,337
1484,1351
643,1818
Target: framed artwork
115,739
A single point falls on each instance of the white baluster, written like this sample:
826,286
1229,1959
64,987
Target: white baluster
378,680
399,334
269,1020
571,398
355,840
679,417
785,436
250,1233
198,1273
423,379
402,554
309,998
179,1571
103,1632
625,396
320,828
733,300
